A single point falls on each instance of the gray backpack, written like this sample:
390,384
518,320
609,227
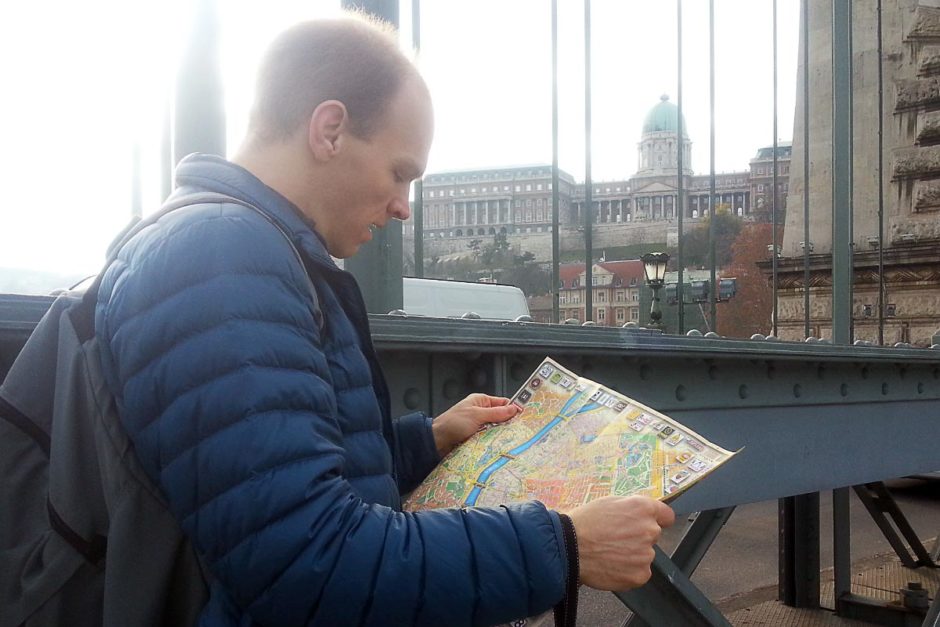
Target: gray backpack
85,537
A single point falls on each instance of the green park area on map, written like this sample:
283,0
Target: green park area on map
574,440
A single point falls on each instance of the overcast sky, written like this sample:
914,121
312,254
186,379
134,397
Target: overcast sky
84,81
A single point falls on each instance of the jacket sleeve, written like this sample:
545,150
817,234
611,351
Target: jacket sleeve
218,371
415,451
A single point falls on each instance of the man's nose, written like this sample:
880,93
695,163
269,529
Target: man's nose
399,208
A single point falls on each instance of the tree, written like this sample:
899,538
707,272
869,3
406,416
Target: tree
496,252
493,260
695,251
476,246
751,309
527,275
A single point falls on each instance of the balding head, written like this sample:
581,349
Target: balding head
354,60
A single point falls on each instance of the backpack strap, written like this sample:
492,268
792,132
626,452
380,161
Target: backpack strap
20,420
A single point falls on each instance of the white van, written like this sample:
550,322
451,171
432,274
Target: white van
454,299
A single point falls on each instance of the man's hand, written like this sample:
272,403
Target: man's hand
466,417
616,535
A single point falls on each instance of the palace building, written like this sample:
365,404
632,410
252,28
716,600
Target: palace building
517,201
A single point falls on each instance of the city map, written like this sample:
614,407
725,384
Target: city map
574,440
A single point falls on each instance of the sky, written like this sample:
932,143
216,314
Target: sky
84,83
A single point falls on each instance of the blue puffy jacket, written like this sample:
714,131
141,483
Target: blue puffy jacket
271,436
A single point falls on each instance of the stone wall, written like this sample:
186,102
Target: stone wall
571,239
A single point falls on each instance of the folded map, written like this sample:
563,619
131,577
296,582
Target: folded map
574,440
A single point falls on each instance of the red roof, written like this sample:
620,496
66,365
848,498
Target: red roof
624,270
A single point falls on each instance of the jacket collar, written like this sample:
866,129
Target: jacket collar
200,172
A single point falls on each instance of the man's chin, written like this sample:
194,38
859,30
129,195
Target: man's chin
345,252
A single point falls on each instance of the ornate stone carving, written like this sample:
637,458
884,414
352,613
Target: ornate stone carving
927,196
929,61
929,128
917,162
926,24
918,92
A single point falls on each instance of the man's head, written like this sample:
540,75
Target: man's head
341,125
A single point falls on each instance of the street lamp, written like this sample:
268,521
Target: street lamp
654,264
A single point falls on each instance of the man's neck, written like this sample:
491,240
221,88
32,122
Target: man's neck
274,166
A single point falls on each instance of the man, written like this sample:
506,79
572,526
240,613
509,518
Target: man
260,410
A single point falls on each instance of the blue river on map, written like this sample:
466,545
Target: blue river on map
502,461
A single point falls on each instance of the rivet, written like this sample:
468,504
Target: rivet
680,393
844,389
884,389
742,391
518,371
412,398
797,390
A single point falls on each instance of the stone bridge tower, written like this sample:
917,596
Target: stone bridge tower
910,176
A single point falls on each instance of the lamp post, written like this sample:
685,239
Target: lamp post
654,265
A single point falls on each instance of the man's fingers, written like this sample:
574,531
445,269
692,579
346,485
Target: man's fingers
492,401
499,413
665,517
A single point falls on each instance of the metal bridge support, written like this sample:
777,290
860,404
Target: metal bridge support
670,598
798,561
880,504
933,614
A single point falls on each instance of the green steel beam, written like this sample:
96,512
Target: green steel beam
198,116
841,172
556,179
804,32
680,171
712,201
378,264
418,219
588,210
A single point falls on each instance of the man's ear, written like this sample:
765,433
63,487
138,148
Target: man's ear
328,125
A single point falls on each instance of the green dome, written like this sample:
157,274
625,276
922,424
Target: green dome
664,118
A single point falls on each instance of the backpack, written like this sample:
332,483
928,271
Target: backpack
85,537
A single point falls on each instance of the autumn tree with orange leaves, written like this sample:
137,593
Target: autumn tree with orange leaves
751,309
